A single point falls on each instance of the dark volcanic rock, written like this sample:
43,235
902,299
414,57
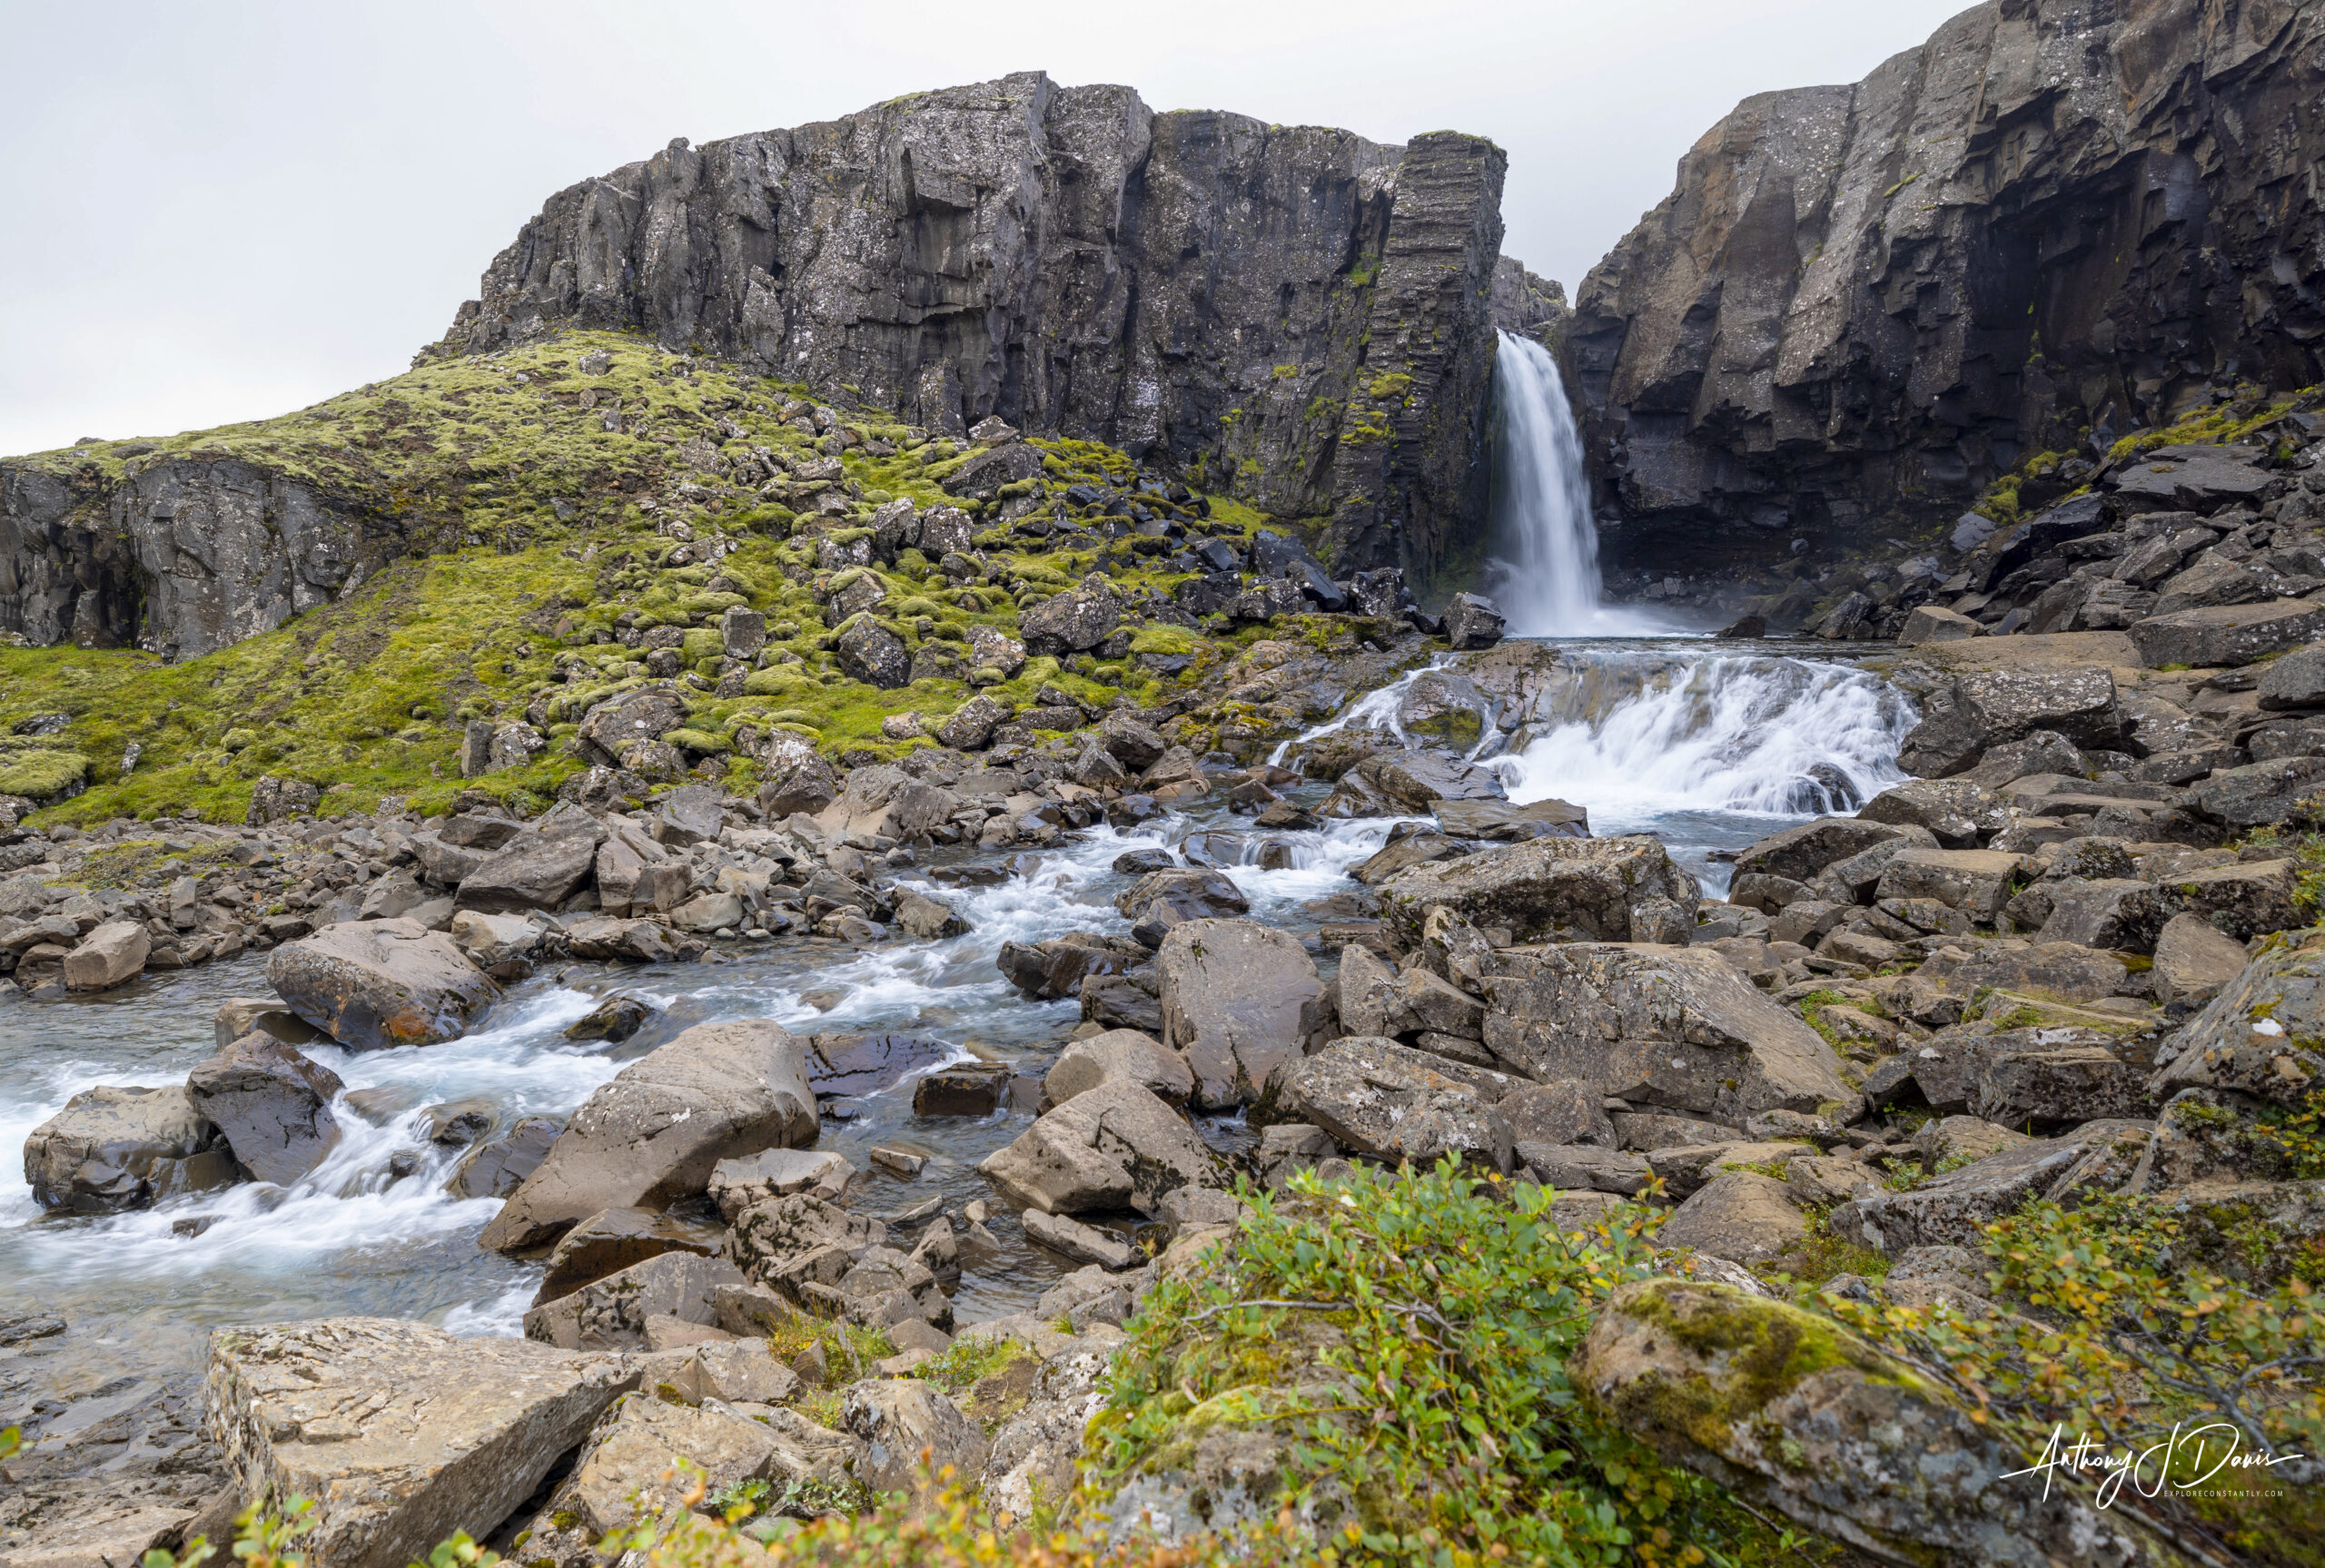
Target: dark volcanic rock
1834,315
1041,252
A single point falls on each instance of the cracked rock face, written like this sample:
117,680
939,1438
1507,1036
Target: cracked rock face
402,1432
1835,316
1295,304
188,556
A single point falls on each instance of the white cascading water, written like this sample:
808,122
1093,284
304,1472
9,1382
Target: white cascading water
1635,740
1546,582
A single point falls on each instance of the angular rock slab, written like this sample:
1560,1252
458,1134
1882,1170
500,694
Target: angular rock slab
1397,1105
1239,999
1605,889
1790,1410
655,1133
373,984
400,1432
272,1104
1673,1027
1116,1146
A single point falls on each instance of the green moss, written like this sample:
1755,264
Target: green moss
41,774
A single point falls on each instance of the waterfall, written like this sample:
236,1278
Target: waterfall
1634,739
1548,583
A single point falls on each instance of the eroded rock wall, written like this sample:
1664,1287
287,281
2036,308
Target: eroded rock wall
1292,314
183,557
2057,220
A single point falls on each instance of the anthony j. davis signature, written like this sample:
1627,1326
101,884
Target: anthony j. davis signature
2184,1461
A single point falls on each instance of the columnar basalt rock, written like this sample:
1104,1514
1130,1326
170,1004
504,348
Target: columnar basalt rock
1862,303
1295,308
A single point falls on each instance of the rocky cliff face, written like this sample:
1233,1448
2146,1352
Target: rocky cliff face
2057,220
1295,314
183,557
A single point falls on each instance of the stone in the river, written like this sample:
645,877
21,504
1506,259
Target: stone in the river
1112,1146
499,1166
651,1136
1676,1028
242,1015
1239,999
113,954
616,1018
112,1148
628,940
845,1065
926,918
401,1432
1120,1053
382,983
612,1241
1604,889
610,1313
272,1104
969,1089
1083,1243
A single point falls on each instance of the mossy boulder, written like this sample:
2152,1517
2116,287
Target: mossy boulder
42,775
1788,1409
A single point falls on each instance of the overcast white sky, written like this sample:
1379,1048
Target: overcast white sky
226,210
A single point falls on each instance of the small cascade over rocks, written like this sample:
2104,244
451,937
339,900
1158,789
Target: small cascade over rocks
1636,736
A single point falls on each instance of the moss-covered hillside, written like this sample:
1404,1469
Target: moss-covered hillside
604,487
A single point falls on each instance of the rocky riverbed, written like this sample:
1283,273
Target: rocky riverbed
973,1049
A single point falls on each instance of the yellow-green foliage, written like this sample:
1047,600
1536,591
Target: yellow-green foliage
2218,425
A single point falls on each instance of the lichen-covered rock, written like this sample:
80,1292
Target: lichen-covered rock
2259,1036
912,1434
1788,1409
381,983
1948,1209
1744,1216
1550,889
400,1432
1679,1028
1394,1104
610,1313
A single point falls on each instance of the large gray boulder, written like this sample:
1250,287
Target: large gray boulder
1551,889
650,1456
610,1313
1112,1146
1120,1054
114,954
1987,708
1744,1216
1800,852
272,1104
540,868
373,984
1072,622
400,1432
912,1433
114,1149
1672,1027
2227,634
1397,1105
1239,999
654,1134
